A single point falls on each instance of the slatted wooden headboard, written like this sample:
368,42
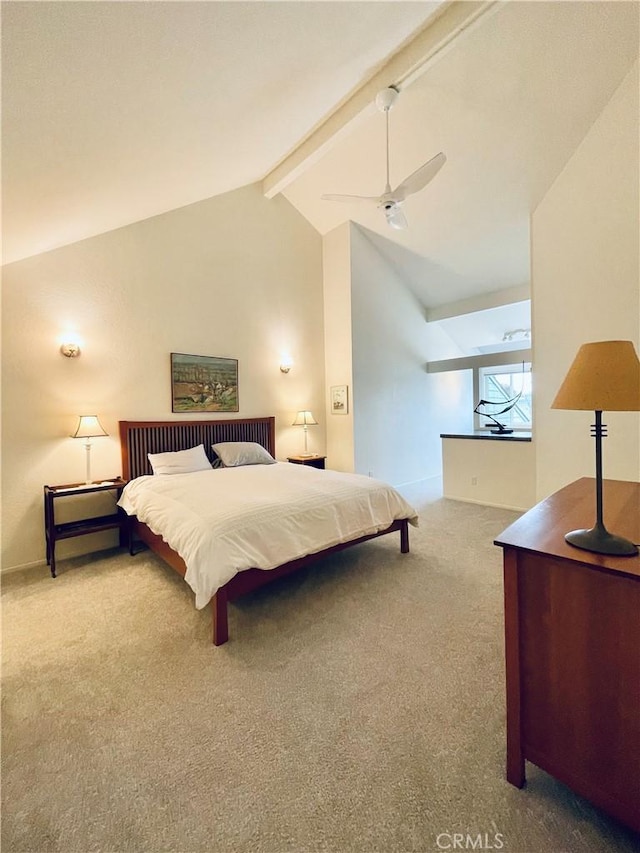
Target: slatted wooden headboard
137,438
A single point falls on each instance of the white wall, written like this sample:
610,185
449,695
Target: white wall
336,259
450,392
451,396
236,276
586,287
494,472
395,425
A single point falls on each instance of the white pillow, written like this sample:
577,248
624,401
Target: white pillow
180,461
234,453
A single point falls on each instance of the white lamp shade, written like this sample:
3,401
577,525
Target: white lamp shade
89,427
304,418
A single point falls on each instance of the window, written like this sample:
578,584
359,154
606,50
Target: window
502,383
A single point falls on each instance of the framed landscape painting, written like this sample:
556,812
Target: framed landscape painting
202,383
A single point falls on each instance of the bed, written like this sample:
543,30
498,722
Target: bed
155,505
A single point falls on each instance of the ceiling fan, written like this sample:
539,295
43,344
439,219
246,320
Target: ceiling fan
390,202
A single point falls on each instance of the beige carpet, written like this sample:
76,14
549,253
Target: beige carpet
359,706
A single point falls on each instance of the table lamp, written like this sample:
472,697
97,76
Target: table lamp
605,375
303,419
88,427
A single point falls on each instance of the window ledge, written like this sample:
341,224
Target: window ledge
483,435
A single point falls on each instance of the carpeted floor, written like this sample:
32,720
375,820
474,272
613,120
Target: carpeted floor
359,707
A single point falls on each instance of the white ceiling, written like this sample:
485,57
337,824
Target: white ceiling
508,104
117,111
485,331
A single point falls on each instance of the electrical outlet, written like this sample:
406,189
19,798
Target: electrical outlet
474,481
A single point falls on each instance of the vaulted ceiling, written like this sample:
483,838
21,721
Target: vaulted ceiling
117,111
508,103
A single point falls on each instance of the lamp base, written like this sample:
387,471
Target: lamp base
600,541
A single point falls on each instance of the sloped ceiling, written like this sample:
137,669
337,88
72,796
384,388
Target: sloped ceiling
117,111
508,104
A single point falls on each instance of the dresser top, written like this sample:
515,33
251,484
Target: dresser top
542,529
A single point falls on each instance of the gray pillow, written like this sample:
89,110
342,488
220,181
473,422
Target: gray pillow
233,453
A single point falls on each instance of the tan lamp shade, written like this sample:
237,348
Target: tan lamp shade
89,427
604,376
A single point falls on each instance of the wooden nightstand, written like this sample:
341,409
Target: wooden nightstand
315,461
94,524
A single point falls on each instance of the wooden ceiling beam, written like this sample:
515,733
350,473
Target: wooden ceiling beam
405,66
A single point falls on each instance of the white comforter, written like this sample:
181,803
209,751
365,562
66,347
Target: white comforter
258,516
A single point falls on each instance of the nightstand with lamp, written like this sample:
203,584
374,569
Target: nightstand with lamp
305,419
88,427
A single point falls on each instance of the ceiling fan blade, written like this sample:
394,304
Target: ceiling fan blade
396,218
334,197
420,178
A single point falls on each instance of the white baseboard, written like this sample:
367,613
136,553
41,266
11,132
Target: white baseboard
423,482
7,570
488,503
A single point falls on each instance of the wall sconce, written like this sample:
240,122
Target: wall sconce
71,350
285,365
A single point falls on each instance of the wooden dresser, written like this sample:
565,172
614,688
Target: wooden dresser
572,643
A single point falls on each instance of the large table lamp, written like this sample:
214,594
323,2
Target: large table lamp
88,427
605,375
304,419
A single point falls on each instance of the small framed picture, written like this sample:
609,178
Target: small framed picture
201,383
339,400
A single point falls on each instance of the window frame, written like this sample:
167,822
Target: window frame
479,371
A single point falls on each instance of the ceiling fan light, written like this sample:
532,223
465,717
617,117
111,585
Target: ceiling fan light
395,223
395,218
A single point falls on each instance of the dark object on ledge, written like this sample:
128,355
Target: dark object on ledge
501,429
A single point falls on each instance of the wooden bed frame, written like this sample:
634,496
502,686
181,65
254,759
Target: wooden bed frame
138,438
